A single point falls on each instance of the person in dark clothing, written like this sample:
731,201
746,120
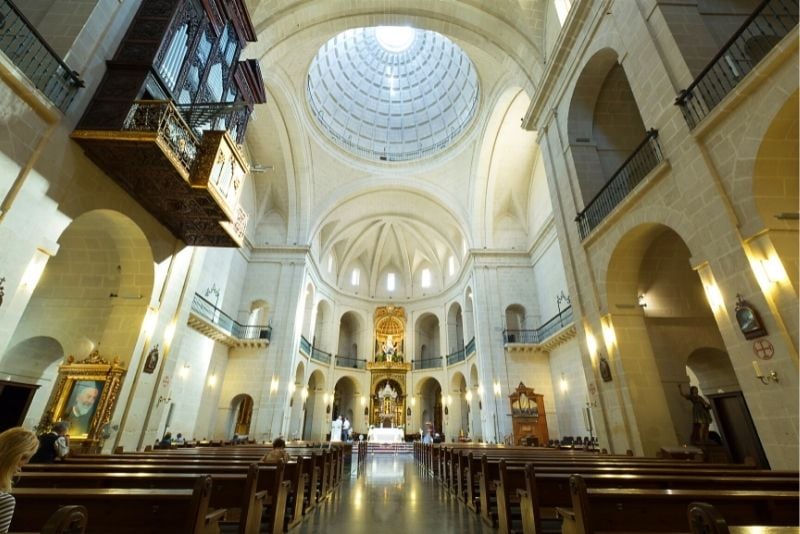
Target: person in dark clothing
53,446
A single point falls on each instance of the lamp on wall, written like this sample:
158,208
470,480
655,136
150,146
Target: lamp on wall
641,302
771,377
497,390
562,384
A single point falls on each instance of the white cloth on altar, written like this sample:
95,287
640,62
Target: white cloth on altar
336,430
386,435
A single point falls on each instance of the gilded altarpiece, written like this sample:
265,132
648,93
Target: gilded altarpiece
84,396
388,370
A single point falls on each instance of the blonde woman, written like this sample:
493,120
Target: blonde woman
17,445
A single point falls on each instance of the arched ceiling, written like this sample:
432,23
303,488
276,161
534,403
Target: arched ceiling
391,216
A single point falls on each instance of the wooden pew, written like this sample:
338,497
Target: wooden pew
658,510
123,511
270,479
705,519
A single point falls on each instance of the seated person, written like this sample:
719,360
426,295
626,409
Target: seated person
278,452
166,441
53,445
179,440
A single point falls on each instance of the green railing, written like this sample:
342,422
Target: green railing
352,363
538,335
208,311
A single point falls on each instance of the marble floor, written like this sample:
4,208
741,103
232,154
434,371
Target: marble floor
389,495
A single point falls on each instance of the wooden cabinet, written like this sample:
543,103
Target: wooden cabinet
528,416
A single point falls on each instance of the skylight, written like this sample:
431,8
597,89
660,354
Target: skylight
395,38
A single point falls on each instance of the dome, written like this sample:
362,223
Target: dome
392,93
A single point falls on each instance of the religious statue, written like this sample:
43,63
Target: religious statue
389,348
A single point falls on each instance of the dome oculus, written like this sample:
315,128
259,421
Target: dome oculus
392,93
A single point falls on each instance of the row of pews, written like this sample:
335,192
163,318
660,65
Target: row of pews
538,490
204,490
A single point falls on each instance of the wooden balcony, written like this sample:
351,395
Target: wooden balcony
191,185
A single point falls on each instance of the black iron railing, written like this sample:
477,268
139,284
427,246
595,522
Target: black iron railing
352,363
427,363
320,355
538,335
208,311
458,356
28,50
470,348
763,29
305,346
632,171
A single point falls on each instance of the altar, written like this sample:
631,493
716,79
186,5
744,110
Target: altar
386,435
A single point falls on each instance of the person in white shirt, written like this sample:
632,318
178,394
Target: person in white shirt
346,430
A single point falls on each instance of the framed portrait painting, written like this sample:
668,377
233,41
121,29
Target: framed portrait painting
84,396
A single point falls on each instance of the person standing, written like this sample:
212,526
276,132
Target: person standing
336,430
54,445
17,446
346,429
701,414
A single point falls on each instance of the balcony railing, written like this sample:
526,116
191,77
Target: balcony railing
470,348
320,355
209,312
428,363
763,29
633,170
458,356
538,335
28,50
352,363
305,346
163,117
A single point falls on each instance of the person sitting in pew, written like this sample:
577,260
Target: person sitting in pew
17,446
53,446
278,452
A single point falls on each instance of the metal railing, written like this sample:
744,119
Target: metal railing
305,346
538,335
427,363
28,50
208,311
352,363
632,171
458,356
163,117
760,32
470,348
320,355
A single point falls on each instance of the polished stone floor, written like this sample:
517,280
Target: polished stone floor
389,495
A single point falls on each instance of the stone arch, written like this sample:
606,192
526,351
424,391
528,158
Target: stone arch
33,360
515,317
313,393
653,261
345,399
604,125
322,325
458,420
427,337
351,330
469,315
476,404
308,310
430,403
259,313
455,328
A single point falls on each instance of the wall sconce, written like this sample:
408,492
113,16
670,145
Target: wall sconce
304,392
771,377
591,344
326,398
773,269
273,385
714,296
212,380
562,384
162,399
608,335
497,390
468,397
641,302
364,400
169,333
480,390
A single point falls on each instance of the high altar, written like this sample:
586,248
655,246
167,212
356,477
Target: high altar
388,370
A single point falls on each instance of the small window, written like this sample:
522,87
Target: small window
355,277
426,278
562,9
451,265
390,281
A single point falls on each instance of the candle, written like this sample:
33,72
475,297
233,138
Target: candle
759,374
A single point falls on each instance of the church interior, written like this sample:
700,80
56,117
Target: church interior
525,223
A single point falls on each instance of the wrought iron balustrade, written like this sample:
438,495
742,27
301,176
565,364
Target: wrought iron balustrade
352,363
320,355
632,171
458,356
28,50
538,335
208,311
214,116
770,22
470,348
162,117
305,346
428,363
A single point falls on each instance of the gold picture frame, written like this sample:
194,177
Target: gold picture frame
85,395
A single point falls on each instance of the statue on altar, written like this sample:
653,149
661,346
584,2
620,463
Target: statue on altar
389,348
389,334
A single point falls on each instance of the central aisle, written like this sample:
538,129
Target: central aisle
390,496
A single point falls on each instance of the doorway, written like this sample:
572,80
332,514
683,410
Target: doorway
736,428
